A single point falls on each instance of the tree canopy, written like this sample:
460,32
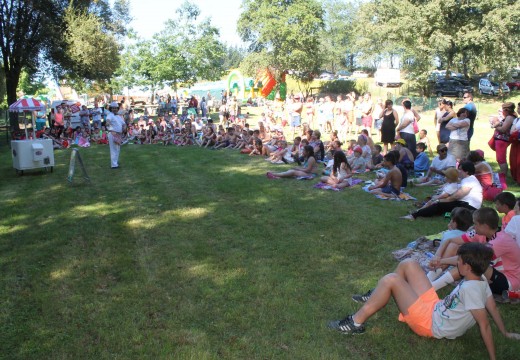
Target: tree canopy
282,35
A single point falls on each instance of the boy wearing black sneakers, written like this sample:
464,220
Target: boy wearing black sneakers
421,308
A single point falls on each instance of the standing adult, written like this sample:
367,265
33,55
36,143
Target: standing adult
116,126
502,131
96,116
390,122
59,122
366,112
459,143
448,114
295,108
405,127
84,117
309,111
173,105
514,152
439,111
203,107
472,112
348,112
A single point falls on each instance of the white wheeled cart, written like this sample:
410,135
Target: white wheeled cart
32,154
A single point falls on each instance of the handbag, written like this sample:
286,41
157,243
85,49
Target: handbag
491,143
415,126
513,137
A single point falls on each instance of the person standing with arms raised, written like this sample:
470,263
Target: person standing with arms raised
116,125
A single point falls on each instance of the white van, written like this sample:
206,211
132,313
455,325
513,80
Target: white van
388,77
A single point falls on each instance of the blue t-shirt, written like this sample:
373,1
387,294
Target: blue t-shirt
421,162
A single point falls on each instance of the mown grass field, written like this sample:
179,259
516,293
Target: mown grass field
186,253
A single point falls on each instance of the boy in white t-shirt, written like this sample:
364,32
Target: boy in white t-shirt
422,309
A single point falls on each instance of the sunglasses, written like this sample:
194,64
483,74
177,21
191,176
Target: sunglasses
442,151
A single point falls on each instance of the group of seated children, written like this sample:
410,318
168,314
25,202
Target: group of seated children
81,137
474,250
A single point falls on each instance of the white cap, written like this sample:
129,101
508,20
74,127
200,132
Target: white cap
114,104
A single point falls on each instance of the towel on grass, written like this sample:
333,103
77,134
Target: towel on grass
328,187
402,195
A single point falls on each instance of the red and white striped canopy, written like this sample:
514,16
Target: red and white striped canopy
30,104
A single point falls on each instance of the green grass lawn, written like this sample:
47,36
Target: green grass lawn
186,253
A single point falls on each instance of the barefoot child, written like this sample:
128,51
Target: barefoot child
391,183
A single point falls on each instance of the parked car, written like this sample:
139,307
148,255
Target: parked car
326,76
343,75
486,86
359,74
451,87
513,84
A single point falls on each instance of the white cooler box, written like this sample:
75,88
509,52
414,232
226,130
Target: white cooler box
32,154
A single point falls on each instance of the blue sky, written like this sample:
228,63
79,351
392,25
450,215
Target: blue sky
150,15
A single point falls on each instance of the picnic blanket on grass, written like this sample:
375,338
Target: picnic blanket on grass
422,250
402,196
324,186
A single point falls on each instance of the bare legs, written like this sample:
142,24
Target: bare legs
405,285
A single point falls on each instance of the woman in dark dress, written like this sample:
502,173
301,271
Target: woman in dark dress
390,121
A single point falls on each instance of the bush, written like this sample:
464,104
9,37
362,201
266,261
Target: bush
338,87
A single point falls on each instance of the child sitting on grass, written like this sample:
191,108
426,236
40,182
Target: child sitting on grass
341,172
422,310
505,204
377,158
358,163
421,164
391,183
504,272
310,167
461,221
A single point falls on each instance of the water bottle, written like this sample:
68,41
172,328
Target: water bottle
412,245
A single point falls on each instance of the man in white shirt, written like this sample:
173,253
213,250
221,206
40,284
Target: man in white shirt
440,163
116,125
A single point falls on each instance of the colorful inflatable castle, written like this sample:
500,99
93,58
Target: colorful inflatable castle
266,82
264,85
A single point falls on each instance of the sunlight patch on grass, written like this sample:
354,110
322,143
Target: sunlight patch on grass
6,230
100,209
63,272
140,223
188,213
218,276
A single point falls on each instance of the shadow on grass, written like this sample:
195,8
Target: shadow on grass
187,253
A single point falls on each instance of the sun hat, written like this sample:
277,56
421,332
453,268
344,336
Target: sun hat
401,141
452,175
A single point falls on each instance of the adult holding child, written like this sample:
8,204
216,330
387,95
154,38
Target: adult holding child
459,141
468,196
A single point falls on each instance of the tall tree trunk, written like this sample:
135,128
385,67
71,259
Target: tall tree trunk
12,77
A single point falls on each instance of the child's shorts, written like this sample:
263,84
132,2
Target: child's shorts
388,189
420,313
